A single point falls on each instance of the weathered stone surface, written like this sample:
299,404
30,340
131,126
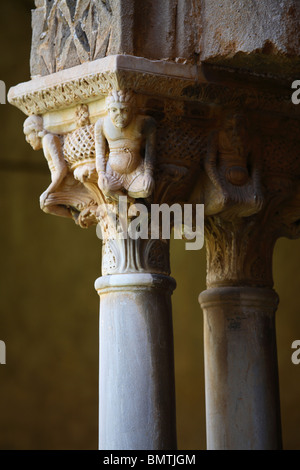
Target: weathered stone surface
167,29
257,36
68,33
236,26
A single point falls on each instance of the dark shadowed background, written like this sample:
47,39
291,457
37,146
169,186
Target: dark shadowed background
49,308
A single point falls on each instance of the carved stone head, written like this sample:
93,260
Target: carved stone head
34,131
120,105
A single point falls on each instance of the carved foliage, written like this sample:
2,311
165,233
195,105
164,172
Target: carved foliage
127,256
238,252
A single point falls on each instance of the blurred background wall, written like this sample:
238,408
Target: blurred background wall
49,308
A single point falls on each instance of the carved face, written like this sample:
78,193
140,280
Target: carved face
34,140
120,114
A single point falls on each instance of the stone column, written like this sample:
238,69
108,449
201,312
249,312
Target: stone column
136,389
241,376
136,377
107,135
250,203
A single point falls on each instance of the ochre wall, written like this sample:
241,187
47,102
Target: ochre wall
49,308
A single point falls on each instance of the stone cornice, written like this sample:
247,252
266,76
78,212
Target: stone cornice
93,80
205,84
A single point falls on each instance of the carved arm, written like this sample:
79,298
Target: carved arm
100,146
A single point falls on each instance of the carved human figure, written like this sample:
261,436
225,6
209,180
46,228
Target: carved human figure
129,140
226,160
232,166
39,138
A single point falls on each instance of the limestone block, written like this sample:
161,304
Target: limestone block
68,33
238,33
267,31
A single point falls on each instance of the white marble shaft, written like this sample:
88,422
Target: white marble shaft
136,386
241,375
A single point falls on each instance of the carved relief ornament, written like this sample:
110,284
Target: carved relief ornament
168,149
103,137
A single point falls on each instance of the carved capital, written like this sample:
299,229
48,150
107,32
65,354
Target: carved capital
157,132
251,187
104,141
